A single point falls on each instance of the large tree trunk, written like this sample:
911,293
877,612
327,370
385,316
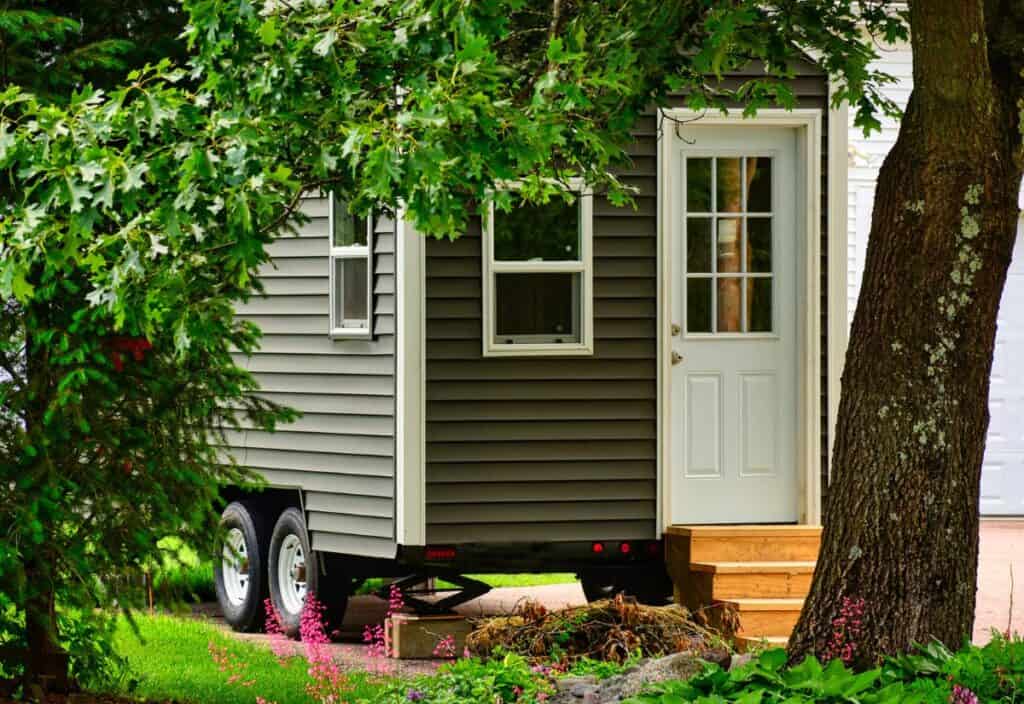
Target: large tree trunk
900,541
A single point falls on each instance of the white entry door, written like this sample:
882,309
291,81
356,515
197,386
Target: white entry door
734,336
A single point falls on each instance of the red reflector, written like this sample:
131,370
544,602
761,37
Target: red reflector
625,548
598,547
653,548
440,553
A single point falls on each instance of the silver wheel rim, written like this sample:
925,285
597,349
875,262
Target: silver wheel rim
291,574
235,567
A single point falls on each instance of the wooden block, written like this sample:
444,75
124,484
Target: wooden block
418,637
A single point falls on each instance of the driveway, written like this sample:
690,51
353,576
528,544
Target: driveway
1001,554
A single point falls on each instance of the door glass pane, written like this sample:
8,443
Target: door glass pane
759,184
541,306
730,305
730,239
698,305
698,185
698,245
759,304
545,232
729,189
350,278
759,245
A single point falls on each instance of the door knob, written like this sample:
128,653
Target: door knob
676,329
676,357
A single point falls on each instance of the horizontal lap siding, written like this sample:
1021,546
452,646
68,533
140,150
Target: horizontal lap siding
341,452
539,449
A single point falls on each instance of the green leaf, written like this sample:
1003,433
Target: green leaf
269,31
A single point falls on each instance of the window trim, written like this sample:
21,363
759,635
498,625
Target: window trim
584,266
336,331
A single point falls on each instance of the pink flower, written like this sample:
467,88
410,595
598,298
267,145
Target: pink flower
847,628
962,695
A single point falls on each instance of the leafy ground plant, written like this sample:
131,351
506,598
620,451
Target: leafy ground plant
933,675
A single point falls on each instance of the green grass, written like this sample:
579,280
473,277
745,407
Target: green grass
173,662
495,580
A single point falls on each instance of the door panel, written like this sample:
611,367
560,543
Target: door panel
733,298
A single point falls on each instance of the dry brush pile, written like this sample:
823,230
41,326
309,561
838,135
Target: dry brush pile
609,630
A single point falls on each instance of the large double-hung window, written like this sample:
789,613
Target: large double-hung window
538,278
351,272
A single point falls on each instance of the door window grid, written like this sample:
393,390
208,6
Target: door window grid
717,281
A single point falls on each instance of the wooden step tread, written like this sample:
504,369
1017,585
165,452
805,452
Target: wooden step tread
780,604
720,531
768,567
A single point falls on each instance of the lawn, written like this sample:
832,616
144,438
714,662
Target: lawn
173,662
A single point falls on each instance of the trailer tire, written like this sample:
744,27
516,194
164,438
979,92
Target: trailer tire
295,571
240,575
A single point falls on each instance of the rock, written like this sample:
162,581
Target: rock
679,666
720,657
580,690
566,684
740,660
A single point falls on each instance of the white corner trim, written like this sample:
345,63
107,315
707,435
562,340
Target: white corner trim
808,123
410,382
838,261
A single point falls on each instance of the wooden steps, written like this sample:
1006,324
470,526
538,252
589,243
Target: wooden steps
753,578
732,580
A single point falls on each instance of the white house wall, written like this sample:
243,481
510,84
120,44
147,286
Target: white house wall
1002,489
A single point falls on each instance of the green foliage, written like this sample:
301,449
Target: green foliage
506,679
994,673
56,50
127,238
431,104
602,669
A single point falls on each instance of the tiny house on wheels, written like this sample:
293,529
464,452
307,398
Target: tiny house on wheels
566,387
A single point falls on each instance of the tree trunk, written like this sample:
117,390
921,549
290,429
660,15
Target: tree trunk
46,665
900,542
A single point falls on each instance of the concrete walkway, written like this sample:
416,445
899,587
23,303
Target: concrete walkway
1001,549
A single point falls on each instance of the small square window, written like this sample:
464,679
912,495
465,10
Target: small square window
538,278
351,238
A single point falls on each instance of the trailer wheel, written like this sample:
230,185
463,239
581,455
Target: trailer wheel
239,576
295,572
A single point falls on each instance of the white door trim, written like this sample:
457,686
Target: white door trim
808,123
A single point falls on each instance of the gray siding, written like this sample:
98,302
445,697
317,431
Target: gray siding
542,449
341,452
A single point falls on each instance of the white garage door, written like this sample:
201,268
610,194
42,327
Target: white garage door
1002,475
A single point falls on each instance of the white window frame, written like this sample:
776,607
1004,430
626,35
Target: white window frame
338,330
528,345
